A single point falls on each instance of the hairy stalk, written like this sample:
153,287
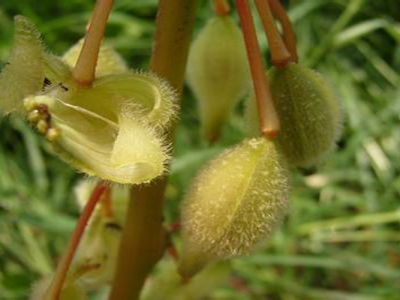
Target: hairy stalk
289,36
221,7
56,286
268,117
85,67
280,55
144,237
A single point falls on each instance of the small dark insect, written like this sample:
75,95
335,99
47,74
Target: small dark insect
46,83
63,87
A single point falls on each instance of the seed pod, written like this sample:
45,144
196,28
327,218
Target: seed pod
233,204
217,72
23,74
69,292
309,112
112,130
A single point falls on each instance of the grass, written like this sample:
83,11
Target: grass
341,238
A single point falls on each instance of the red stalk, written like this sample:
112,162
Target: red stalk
268,118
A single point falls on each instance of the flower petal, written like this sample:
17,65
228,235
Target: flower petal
24,73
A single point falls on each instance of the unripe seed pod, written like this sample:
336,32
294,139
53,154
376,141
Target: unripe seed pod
234,203
218,72
309,112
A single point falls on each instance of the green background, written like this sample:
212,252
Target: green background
341,238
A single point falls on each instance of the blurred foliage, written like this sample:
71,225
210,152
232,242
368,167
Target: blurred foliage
341,239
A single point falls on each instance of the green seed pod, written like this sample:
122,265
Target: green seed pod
233,204
23,74
69,292
218,72
309,112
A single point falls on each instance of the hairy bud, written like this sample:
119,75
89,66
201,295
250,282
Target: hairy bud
309,112
70,291
23,74
233,204
217,72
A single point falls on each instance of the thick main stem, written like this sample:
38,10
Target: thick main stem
144,238
268,117
56,286
85,68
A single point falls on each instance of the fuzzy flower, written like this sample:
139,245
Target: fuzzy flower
113,129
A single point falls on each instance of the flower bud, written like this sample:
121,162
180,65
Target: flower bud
167,284
95,261
217,72
309,112
69,292
233,204
23,74
109,61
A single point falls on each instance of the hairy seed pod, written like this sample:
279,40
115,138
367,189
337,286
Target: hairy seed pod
69,292
23,74
217,72
233,204
309,112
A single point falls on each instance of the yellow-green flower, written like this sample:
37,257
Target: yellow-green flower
113,129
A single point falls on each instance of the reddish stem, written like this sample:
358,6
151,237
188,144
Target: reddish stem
106,204
221,7
280,56
84,71
56,286
289,35
268,118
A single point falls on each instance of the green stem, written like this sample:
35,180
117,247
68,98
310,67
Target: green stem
144,238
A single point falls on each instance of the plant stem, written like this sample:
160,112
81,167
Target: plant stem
280,55
56,286
144,237
289,35
85,68
221,7
268,117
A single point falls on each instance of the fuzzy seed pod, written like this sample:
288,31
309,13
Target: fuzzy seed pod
23,74
217,72
233,204
309,112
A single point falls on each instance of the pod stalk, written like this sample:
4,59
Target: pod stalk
54,291
221,7
84,71
268,117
